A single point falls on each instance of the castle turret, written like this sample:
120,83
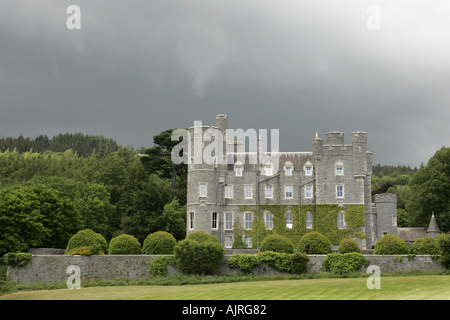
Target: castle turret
433,229
335,138
359,143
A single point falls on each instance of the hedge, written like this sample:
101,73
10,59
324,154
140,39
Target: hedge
124,244
345,263
159,242
89,240
195,257
390,244
314,243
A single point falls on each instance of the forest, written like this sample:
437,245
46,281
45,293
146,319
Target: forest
52,187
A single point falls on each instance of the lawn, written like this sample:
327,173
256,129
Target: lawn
418,287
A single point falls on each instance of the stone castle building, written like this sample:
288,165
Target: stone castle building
327,189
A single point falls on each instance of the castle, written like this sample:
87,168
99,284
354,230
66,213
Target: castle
326,190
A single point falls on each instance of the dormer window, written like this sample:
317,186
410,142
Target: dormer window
238,171
288,168
268,170
308,168
339,168
288,171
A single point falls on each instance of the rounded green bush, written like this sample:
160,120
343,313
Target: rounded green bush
277,243
124,244
194,257
348,245
299,262
426,245
159,242
390,244
87,239
342,264
314,243
201,236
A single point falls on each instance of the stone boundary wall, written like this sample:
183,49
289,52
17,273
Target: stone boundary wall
53,268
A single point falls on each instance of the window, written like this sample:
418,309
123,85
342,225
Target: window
203,190
308,192
288,171
228,241
339,191
248,242
269,220
228,221
308,171
214,220
339,168
248,192
288,191
228,192
340,220
248,219
309,220
238,171
191,220
268,171
289,220
269,191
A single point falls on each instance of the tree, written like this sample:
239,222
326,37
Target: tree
33,216
173,219
158,159
430,187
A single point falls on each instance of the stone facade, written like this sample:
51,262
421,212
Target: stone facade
227,195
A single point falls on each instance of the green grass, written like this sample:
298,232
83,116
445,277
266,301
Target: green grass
417,287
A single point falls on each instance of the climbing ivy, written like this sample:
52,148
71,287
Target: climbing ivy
324,221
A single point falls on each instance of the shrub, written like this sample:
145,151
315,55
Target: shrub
194,257
89,239
426,245
314,243
201,236
244,262
444,247
299,262
158,266
277,243
390,244
82,251
348,245
343,264
124,244
17,259
159,242
276,261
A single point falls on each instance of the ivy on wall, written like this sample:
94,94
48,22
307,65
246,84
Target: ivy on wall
324,221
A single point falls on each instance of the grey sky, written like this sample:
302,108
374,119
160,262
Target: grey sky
137,68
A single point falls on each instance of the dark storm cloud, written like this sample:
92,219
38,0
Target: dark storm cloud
137,68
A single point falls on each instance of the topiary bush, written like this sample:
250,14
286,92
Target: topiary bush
277,243
299,262
444,248
124,244
201,236
348,245
390,244
195,257
426,245
159,242
87,239
344,264
314,243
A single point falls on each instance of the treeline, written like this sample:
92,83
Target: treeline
83,144
45,197
420,191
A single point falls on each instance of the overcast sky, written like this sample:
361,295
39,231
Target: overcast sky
136,68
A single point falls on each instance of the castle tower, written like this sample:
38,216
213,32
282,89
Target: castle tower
206,180
386,214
